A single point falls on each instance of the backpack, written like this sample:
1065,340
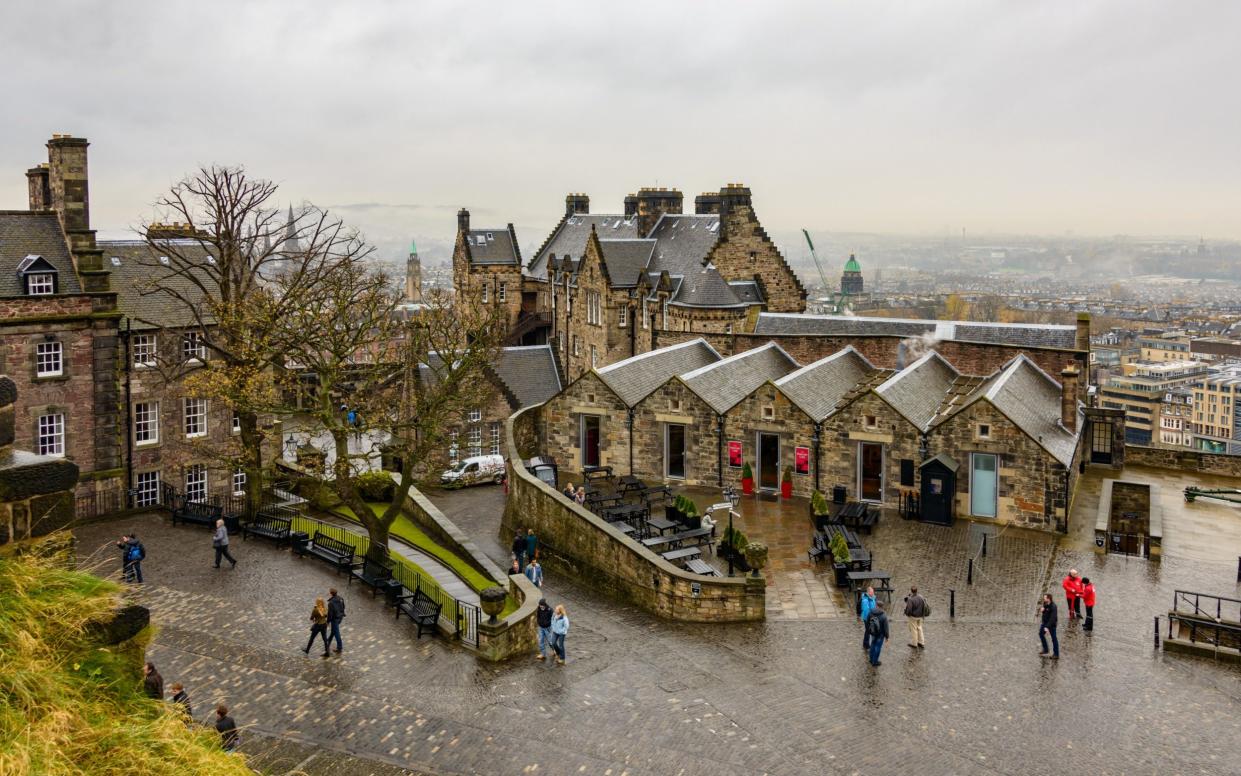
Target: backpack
135,553
873,627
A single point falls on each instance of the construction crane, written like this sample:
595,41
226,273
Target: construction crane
818,264
1231,495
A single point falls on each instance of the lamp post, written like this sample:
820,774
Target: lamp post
733,498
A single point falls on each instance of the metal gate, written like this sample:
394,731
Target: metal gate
1136,545
467,623
1100,441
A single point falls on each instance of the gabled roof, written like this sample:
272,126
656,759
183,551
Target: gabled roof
496,246
726,382
819,388
747,291
917,390
569,238
683,242
625,259
705,287
529,372
138,277
635,378
1017,334
24,233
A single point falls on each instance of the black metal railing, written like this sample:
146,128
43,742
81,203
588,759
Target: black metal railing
909,505
1206,605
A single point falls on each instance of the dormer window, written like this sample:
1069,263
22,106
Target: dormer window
41,284
38,277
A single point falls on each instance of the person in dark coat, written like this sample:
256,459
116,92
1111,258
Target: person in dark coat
132,555
318,626
219,540
1047,627
227,728
543,615
335,613
152,682
181,701
532,545
519,551
877,626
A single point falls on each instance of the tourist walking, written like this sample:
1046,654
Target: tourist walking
516,568
132,555
220,542
519,551
532,545
318,626
1047,627
152,682
916,609
227,728
335,613
868,604
1072,585
877,626
560,629
534,572
543,616
181,701
1088,598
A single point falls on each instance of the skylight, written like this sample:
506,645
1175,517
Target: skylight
116,261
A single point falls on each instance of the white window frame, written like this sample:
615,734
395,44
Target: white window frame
239,481
50,435
622,316
145,350
475,441
196,482
594,357
193,348
49,359
146,423
502,292
194,417
665,314
236,425
486,295
646,319
577,345
40,284
495,438
475,415
146,489
453,448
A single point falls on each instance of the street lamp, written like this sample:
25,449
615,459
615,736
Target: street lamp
733,498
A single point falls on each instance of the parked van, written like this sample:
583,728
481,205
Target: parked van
474,470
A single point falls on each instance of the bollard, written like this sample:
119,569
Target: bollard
1156,631
952,603
969,577
984,545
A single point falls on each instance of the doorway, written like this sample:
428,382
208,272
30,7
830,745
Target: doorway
870,471
674,451
983,484
590,441
768,461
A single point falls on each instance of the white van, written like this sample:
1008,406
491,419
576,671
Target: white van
475,470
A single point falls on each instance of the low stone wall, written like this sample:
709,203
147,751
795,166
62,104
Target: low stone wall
517,634
1184,460
429,518
576,542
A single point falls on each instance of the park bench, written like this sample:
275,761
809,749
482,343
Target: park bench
700,566
372,573
199,512
334,551
268,526
684,553
420,608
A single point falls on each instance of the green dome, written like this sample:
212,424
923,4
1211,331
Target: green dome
851,265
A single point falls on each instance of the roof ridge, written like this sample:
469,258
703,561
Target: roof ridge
634,359
735,357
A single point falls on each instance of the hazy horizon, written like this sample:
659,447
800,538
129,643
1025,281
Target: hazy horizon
1098,118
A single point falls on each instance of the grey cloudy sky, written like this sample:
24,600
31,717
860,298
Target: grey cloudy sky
1099,117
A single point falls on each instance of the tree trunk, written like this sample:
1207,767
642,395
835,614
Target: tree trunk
252,461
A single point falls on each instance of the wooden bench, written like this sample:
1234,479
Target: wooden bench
372,573
851,539
268,526
700,566
819,549
334,551
421,609
199,512
685,553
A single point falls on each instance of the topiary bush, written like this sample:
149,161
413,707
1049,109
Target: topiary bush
818,503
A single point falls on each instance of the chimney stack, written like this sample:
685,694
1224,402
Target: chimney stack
1081,340
576,204
40,188
652,203
69,197
707,203
631,206
732,197
463,220
1068,398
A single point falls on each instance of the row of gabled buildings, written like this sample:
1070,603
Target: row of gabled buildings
1013,438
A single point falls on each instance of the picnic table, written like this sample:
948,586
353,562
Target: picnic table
619,512
658,541
685,553
661,492
625,528
858,515
860,580
630,483
699,566
661,524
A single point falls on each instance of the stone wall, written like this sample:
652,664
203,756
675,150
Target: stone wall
745,252
767,410
1184,460
675,403
36,491
516,635
843,433
562,418
575,542
445,533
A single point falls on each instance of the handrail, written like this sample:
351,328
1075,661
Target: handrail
1184,595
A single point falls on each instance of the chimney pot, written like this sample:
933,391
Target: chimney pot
1068,398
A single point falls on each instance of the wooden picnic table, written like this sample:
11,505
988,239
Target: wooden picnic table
685,553
597,473
699,566
658,541
860,580
625,528
661,491
630,483
622,511
661,524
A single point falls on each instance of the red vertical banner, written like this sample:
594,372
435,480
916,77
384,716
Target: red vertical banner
801,459
734,455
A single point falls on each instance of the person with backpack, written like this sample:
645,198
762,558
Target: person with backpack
335,613
543,616
877,627
916,609
318,626
1047,627
219,540
1088,598
132,555
868,604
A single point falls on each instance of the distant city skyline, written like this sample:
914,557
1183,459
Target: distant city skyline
1092,119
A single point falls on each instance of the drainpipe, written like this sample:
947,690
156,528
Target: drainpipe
129,433
629,423
633,331
818,427
1067,501
719,456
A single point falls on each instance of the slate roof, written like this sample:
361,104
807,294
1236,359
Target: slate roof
24,233
635,378
496,246
569,239
136,272
626,259
726,382
819,388
917,390
529,372
1019,334
747,291
683,241
705,287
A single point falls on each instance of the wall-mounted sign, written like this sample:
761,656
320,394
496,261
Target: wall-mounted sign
695,589
801,460
734,454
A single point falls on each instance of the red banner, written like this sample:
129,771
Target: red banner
801,459
734,455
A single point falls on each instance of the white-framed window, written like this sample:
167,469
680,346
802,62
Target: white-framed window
594,357
144,350
622,316
476,441
239,481
41,284
594,310
577,345
452,446
147,486
195,415
49,359
196,483
51,435
236,422
495,439
475,416
146,422
502,292
486,293
665,313
193,348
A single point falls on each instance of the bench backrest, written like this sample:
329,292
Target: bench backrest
336,545
202,508
270,521
422,600
375,569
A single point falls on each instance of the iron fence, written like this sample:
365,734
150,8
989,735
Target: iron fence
1134,545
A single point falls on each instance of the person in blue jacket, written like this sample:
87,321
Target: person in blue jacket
560,629
868,603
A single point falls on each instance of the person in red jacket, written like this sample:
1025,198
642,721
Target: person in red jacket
1088,600
1072,585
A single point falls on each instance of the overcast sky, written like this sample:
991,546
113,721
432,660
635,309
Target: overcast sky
928,117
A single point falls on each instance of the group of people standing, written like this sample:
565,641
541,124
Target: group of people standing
153,687
525,557
1079,591
875,628
553,627
325,618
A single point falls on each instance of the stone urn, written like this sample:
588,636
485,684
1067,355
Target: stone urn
493,602
756,556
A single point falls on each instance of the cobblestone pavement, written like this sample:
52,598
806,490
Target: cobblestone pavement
644,696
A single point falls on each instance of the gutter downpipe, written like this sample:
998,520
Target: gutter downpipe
817,428
129,434
629,423
719,457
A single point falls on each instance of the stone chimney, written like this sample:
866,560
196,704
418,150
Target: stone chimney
707,203
1068,398
576,204
40,188
732,197
1081,339
652,203
70,199
631,205
463,220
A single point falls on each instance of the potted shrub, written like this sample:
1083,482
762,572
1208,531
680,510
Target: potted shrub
820,510
786,483
675,510
747,479
689,514
733,546
840,559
